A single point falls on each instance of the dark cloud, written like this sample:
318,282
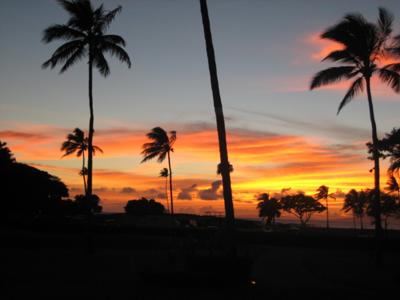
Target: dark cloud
186,193
211,193
10,134
100,190
127,190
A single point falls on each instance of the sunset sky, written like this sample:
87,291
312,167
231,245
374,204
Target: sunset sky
280,134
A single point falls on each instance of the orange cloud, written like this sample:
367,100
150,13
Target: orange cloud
322,47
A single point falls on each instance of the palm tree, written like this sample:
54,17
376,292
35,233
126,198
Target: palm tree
164,173
268,208
85,36
160,147
76,142
356,203
364,44
392,186
224,165
323,193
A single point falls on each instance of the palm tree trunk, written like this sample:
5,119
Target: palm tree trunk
224,166
327,214
354,221
90,246
166,192
377,202
83,172
361,223
91,128
170,183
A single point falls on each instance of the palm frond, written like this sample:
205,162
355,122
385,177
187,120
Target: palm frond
341,56
116,51
392,184
114,39
391,78
62,32
63,53
385,22
76,56
393,67
108,18
394,167
96,148
149,156
356,87
331,75
101,63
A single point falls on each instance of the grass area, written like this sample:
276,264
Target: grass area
186,263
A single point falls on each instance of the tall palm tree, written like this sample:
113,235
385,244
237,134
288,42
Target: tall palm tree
364,44
164,173
224,165
76,142
323,193
160,147
268,208
85,36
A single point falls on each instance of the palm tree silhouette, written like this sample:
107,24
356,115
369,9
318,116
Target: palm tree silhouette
85,36
364,44
76,142
160,147
356,203
323,193
224,166
164,173
390,147
268,208
392,186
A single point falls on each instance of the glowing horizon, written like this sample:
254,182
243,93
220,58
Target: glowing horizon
280,135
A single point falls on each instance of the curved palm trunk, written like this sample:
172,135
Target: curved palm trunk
83,172
327,214
354,221
170,183
225,169
377,202
91,130
166,192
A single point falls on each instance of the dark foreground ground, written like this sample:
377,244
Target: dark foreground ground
54,263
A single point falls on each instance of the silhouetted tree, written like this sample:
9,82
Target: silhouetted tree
224,165
356,202
301,206
160,147
364,44
85,36
143,207
6,156
25,188
323,193
87,205
390,207
392,186
165,174
389,147
77,143
268,208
